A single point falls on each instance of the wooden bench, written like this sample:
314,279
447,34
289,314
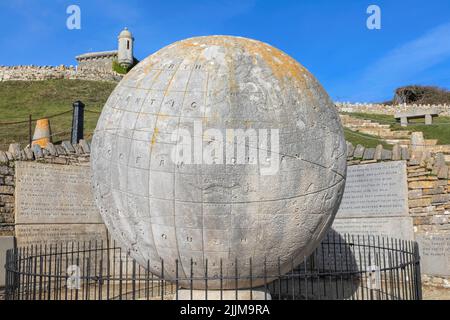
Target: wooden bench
404,116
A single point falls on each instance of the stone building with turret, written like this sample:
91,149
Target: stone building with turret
103,61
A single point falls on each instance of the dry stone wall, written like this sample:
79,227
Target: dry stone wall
64,154
39,73
427,180
443,110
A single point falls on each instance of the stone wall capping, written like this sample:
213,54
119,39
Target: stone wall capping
386,155
442,109
378,152
3,157
68,147
28,153
51,149
14,149
369,154
39,73
359,152
86,146
37,150
60,150
9,156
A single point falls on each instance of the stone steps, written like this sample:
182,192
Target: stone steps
373,128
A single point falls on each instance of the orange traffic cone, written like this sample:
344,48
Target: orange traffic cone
42,133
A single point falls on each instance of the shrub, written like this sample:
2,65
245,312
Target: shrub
121,69
421,95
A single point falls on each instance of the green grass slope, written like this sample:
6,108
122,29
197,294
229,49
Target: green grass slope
42,99
440,129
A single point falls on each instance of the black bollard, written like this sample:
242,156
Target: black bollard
77,122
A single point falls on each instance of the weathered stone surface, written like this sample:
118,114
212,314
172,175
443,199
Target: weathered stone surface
6,243
440,198
39,73
434,191
85,146
443,172
378,152
29,154
78,149
440,219
396,153
415,194
14,149
434,253
375,190
68,147
46,234
350,150
404,153
37,150
159,208
417,141
9,155
48,193
393,227
424,202
61,151
51,148
359,151
6,190
422,184
369,154
3,157
386,155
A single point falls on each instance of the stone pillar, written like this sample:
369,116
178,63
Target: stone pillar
404,121
428,119
417,141
77,122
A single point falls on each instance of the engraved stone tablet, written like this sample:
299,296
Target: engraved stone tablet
394,227
375,202
375,190
48,193
47,234
434,251
54,204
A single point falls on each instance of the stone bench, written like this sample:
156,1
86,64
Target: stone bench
427,114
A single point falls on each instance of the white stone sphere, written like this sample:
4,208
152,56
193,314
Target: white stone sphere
161,208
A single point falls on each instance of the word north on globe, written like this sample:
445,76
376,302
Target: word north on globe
215,149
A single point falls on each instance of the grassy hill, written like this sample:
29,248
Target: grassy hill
440,129
42,99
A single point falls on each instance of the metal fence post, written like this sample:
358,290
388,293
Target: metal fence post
30,130
77,122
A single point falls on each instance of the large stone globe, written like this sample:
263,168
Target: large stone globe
214,151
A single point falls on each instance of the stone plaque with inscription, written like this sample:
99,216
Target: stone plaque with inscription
46,234
394,227
375,201
49,193
434,251
54,204
375,190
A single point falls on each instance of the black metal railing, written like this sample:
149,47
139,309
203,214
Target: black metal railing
342,267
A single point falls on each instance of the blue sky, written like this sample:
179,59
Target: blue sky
328,37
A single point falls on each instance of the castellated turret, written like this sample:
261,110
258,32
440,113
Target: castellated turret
125,53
